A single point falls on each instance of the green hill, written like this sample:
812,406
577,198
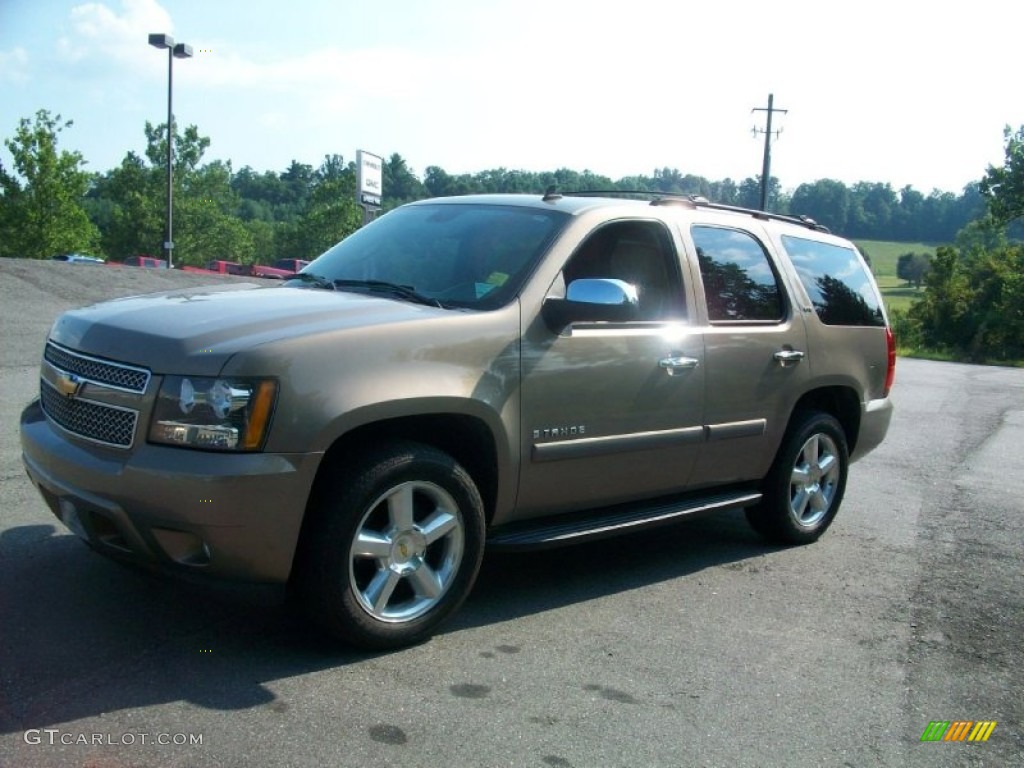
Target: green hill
884,255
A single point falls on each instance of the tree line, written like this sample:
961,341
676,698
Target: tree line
972,305
50,204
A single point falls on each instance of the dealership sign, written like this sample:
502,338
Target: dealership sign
370,179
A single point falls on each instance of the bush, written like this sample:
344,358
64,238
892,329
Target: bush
973,303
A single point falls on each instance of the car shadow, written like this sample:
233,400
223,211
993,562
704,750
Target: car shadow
83,635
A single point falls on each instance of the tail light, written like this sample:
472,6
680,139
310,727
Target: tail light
890,371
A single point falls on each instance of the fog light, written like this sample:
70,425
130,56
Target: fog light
72,520
182,547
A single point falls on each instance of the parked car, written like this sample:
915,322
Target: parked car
78,258
149,262
280,269
471,373
218,267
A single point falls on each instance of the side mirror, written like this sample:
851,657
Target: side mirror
592,300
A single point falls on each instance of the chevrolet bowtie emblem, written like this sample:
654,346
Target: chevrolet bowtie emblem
68,384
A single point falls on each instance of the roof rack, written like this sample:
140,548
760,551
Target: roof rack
803,221
698,201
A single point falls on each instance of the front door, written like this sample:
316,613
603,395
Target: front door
614,411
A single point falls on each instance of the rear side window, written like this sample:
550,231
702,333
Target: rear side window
836,281
739,282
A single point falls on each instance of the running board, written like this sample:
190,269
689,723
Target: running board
578,527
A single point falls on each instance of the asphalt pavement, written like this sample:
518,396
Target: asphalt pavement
696,645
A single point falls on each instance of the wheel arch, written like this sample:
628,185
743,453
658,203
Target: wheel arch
467,439
840,402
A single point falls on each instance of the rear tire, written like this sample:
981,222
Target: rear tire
805,486
394,547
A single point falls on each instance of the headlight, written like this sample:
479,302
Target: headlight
215,414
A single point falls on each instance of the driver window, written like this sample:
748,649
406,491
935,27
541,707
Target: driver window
637,252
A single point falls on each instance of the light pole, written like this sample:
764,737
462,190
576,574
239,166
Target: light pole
179,51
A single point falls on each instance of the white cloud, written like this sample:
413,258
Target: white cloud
102,36
14,66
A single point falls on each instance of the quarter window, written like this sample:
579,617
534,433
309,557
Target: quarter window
836,281
739,282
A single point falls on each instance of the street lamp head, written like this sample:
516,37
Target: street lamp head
161,41
182,51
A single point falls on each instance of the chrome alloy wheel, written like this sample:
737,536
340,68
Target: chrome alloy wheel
814,480
406,551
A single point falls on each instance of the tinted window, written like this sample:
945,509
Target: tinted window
462,254
836,281
739,282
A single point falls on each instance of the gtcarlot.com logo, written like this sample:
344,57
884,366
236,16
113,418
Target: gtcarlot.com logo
958,730
54,736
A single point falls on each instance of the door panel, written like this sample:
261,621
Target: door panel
605,420
755,353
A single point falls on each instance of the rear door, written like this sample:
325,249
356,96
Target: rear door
755,351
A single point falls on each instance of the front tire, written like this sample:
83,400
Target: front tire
805,486
394,549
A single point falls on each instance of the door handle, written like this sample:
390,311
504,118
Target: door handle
787,356
674,364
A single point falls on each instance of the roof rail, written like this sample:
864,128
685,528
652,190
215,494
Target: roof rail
632,194
803,221
698,201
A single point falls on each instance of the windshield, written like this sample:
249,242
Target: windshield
472,255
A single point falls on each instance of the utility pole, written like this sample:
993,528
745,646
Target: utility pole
766,166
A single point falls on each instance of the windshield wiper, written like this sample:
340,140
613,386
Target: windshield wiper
316,280
381,286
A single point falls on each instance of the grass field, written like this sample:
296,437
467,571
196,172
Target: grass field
896,293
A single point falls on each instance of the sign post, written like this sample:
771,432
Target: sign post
369,184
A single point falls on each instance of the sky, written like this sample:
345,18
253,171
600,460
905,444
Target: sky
898,91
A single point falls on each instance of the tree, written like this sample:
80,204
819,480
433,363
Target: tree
207,227
133,195
748,194
872,208
827,201
913,267
973,302
189,147
331,213
400,183
1003,187
42,212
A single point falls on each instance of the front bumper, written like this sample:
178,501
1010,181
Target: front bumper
235,516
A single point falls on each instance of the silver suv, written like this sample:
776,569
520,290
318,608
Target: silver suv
465,374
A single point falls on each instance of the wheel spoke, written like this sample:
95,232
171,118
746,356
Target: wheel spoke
379,591
400,508
811,449
425,582
800,476
372,544
800,502
827,464
438,525
819,503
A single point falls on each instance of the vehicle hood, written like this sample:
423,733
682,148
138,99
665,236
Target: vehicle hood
195,331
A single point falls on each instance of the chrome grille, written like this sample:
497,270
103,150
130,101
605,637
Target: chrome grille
117,375
94,421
